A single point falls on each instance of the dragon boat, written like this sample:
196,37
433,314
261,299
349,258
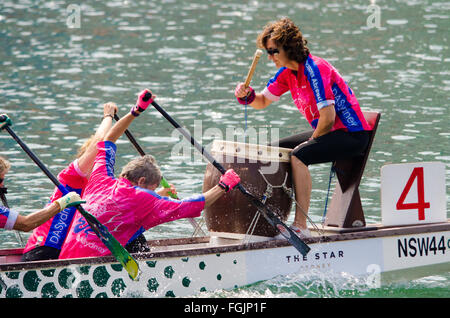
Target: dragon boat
241,248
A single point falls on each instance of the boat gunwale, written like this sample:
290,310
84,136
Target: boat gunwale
376,232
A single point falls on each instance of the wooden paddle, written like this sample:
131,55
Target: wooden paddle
117,250
256,57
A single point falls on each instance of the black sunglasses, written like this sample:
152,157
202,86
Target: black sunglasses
272,51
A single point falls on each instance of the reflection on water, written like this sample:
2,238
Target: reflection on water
54,79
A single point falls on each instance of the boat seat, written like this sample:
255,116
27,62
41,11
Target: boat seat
345,210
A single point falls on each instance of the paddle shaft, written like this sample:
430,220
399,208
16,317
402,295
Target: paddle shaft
256,57
164,182
100,230
131,138
270,216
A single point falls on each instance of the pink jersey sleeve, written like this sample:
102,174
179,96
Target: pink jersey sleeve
72,178
277,85
7,218
103,169
160,209
105,160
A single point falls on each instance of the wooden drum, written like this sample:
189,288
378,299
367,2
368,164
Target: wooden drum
257,165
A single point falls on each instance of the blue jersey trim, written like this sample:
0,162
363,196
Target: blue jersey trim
345,111
136,235
315,80
273,79
110,157
195,198
60,225
4,210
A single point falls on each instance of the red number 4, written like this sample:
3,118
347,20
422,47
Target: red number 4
420,205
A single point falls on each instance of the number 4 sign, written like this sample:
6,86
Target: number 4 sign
413,193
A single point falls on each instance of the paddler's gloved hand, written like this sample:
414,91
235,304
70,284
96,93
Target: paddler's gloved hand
229,180
70,199
244,95
4,121
145,98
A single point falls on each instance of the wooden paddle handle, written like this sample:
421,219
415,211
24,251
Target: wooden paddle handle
256,57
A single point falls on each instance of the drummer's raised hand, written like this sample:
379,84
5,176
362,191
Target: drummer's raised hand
244,95
229,180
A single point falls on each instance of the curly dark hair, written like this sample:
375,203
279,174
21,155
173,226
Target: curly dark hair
287,35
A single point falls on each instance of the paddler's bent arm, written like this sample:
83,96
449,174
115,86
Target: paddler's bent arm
260,102
227,182
27,223
212,195
326,121
141,105
86,160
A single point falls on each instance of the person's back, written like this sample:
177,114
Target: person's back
124,208
128,205
47,240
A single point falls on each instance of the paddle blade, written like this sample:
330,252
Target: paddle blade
276,222
114,246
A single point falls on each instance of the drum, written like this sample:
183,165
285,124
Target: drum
263,171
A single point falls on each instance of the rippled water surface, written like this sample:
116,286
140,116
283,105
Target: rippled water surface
54,79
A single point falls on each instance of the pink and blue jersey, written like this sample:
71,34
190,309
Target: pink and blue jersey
53,232
126,210
315,85
7,218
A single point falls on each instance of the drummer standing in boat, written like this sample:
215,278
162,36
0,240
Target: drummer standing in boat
339,129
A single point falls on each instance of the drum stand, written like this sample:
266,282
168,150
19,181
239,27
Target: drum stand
267,194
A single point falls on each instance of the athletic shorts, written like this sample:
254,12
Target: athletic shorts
41,253
338,144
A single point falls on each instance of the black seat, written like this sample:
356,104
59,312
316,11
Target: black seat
345,209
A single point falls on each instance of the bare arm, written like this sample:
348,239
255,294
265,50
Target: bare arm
27,223
326,121
212,195
33,220
260,102
86,161
119,128
122,125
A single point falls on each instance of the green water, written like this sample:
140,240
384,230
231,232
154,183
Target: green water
54,79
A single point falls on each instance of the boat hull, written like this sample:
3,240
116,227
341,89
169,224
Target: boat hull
186,267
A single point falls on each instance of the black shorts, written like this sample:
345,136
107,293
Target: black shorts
330,147
41,253
138,245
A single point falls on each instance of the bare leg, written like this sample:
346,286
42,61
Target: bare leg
303,185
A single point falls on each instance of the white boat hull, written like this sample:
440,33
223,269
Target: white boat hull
187,267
